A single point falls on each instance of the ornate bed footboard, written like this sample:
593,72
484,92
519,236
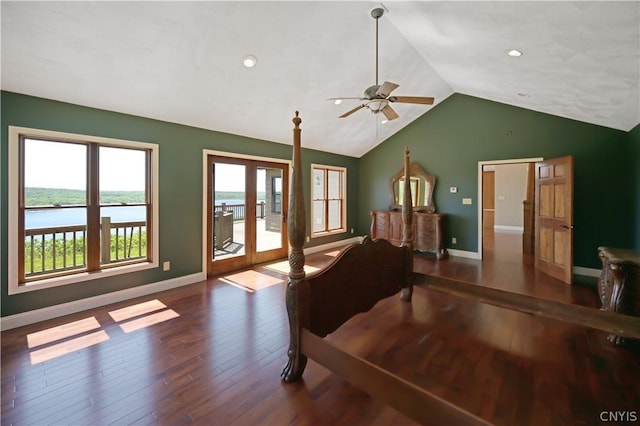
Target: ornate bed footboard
359,277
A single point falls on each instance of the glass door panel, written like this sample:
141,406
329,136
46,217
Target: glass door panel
229,202
269,219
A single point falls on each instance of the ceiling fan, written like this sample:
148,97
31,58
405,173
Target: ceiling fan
377,97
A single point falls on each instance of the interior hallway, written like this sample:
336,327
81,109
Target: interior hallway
505,267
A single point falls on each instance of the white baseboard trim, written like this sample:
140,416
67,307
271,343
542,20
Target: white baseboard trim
587,272
464,253
37,315
329,246
506,228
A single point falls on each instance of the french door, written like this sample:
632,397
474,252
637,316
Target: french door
246,212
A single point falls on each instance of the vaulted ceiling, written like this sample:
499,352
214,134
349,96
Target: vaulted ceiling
182,61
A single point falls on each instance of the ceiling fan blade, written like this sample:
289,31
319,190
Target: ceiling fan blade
389,112
386,88
345,98
412,100
348,113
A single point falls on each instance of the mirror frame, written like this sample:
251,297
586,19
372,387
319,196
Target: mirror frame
414,171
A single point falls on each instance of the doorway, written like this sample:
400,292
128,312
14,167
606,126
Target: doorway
505,189
246,203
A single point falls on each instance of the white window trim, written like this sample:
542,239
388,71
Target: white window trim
343,213
12,194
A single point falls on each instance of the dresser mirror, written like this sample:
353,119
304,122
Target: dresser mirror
422,185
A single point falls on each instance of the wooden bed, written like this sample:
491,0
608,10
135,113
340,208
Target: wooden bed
363,275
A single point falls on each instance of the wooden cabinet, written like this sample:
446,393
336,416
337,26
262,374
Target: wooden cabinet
428,230
619,284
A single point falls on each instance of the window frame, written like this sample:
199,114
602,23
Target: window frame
16,134
343,191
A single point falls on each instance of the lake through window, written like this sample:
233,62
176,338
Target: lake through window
84,204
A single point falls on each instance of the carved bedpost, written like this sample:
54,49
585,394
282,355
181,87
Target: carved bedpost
407,227
296,227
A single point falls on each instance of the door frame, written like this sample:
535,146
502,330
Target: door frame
205,176
480,166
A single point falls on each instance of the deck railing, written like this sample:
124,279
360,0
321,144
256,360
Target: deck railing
122,240
239,210
54,249
60,248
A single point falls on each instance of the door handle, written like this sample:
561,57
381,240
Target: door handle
567,226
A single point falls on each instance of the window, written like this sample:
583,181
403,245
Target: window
79,205
328,206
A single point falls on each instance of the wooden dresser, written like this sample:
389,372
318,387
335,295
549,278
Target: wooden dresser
619,283
428,230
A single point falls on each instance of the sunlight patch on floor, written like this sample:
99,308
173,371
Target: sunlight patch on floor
148,320
61,332
68,346
76,335
251,280
283,267
137,310
145,313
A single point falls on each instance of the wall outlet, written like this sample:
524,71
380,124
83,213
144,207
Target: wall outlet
352,230
454,240
308,239
467,201
453,189
166,265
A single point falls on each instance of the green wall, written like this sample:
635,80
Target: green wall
180,186
450,140
635,141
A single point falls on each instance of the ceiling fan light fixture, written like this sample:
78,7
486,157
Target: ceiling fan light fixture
514,53
250,61
376,105
385,121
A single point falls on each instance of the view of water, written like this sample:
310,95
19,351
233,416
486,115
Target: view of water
78,216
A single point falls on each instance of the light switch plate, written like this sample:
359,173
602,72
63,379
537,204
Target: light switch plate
453,189
467,201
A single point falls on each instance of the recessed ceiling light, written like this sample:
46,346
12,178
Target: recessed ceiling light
337,101
249,61
514,52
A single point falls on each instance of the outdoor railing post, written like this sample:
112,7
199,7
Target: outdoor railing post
105,240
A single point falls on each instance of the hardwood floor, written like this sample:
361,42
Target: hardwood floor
211,353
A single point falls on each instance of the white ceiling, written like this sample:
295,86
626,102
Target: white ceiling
182,61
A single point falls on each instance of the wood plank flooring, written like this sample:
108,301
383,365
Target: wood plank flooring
211,353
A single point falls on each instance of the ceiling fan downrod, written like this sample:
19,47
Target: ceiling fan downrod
376,14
